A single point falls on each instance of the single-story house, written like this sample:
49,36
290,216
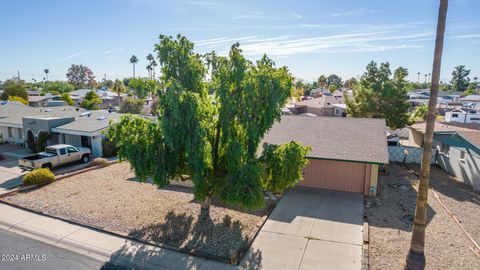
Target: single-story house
45,101
462,116
458,149
345,152
20,124
326,105
108,98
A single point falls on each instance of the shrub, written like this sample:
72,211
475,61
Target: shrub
38,176
109,148
131,105
18,99
100,162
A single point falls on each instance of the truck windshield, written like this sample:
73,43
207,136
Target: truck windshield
51,151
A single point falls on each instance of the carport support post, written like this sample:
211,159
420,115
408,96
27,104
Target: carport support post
416,255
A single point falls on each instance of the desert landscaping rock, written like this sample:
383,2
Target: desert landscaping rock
110,198
390,225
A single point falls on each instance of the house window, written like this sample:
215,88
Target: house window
337,111
10,132
20,133
474,118
454,115
445,149
462,156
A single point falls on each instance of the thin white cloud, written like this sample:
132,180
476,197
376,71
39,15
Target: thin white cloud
264,16
354,12
75,55
208,4
113,51
353,42
219,41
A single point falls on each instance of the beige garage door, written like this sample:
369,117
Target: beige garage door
336,175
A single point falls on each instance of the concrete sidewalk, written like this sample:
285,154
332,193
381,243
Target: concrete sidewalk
99,245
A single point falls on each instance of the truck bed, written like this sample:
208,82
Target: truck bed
38,156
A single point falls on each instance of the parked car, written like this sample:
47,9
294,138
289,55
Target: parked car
55,155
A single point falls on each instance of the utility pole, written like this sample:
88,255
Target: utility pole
18,75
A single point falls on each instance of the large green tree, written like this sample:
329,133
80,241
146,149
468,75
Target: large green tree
214,140
460,78
335,80
81,76
379,95
14,89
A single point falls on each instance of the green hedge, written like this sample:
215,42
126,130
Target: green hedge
38,176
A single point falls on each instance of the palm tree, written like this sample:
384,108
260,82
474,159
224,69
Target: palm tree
149,69
418,79
118,87
46,71
416,256
322,81
151,66
133,60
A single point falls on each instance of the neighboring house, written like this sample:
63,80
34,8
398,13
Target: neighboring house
458,148
20,124
470,98
462,116
109,98
45,101
325,105
345,152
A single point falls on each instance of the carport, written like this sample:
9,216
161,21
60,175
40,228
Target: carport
345,152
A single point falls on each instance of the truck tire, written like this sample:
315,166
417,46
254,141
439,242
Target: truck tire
85,159
47,166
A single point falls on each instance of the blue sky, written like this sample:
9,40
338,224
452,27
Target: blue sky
310,37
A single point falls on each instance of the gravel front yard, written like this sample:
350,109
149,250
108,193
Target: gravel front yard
389,215
110,198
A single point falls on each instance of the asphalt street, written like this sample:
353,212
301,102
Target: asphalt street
21,253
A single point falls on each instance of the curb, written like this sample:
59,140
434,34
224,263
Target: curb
75,246
365,246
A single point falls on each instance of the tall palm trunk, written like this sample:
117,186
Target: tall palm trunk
416,255
134,70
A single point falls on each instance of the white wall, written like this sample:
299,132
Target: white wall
466,171
462,117
17,135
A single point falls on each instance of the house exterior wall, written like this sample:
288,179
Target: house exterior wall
465,170
336,175
17,135
330,111
97,146
415,138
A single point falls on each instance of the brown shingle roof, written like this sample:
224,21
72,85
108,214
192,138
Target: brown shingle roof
472,136
336,138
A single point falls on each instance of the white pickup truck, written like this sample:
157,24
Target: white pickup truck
55,155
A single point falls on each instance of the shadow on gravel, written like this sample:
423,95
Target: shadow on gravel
182,237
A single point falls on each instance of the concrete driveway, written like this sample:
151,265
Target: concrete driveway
311,229
10,174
